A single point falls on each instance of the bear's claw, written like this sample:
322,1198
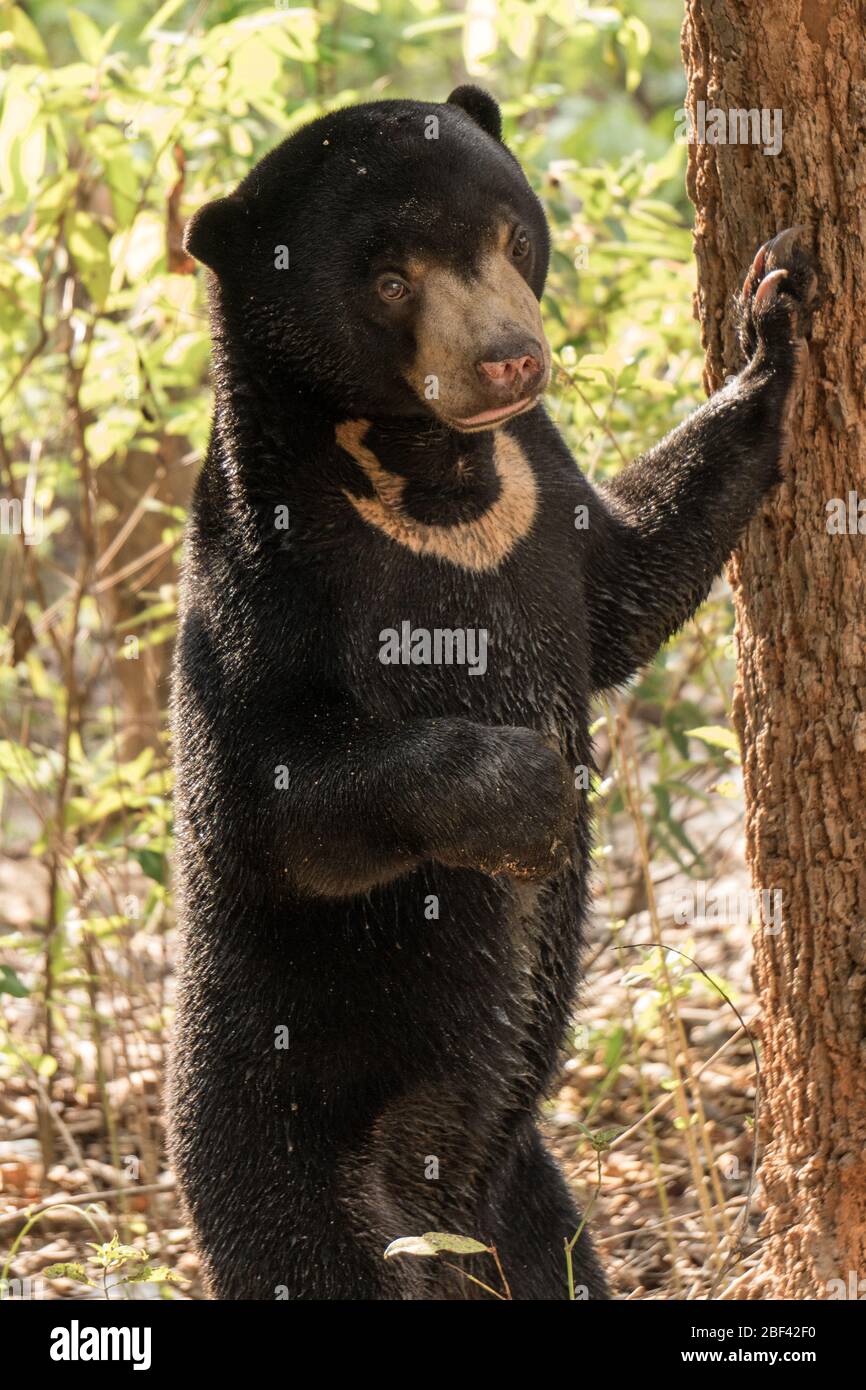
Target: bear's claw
778,294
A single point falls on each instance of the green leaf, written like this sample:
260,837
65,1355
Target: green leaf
111,433
22,139
717,736
25,34
21,766
434,1243
161,1274
112,1252
602,1139
433,26
143,247
156,610
72,1270
158,635
726,788
152,864
88,246
634,40
161,18
10,983
90,42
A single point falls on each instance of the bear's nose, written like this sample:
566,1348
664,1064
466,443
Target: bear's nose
512,376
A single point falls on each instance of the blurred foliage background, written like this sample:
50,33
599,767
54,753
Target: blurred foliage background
116,122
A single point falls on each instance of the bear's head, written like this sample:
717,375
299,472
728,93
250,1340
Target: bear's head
387,260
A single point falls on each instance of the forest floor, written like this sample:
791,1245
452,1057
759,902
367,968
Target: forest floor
663,1170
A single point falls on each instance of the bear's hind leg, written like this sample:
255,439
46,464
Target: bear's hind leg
534,1216
255,1245
272,1219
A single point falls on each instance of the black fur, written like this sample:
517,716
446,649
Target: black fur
410,1037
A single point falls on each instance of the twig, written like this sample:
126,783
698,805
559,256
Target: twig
25,1213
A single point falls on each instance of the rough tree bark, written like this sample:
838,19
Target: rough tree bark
800,596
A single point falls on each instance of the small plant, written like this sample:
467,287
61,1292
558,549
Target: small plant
601,1142
113,1259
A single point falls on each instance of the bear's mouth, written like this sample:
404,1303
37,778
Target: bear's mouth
488,419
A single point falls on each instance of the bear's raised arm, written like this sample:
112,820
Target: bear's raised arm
665,526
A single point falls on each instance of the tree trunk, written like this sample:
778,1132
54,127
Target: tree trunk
800,597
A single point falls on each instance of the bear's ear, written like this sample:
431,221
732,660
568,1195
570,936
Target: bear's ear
480,106
216,234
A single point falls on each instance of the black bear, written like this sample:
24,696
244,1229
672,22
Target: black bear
391,632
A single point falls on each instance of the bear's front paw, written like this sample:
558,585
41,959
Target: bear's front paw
778,296
519,814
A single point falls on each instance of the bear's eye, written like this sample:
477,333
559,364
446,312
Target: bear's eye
392,289
520,245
